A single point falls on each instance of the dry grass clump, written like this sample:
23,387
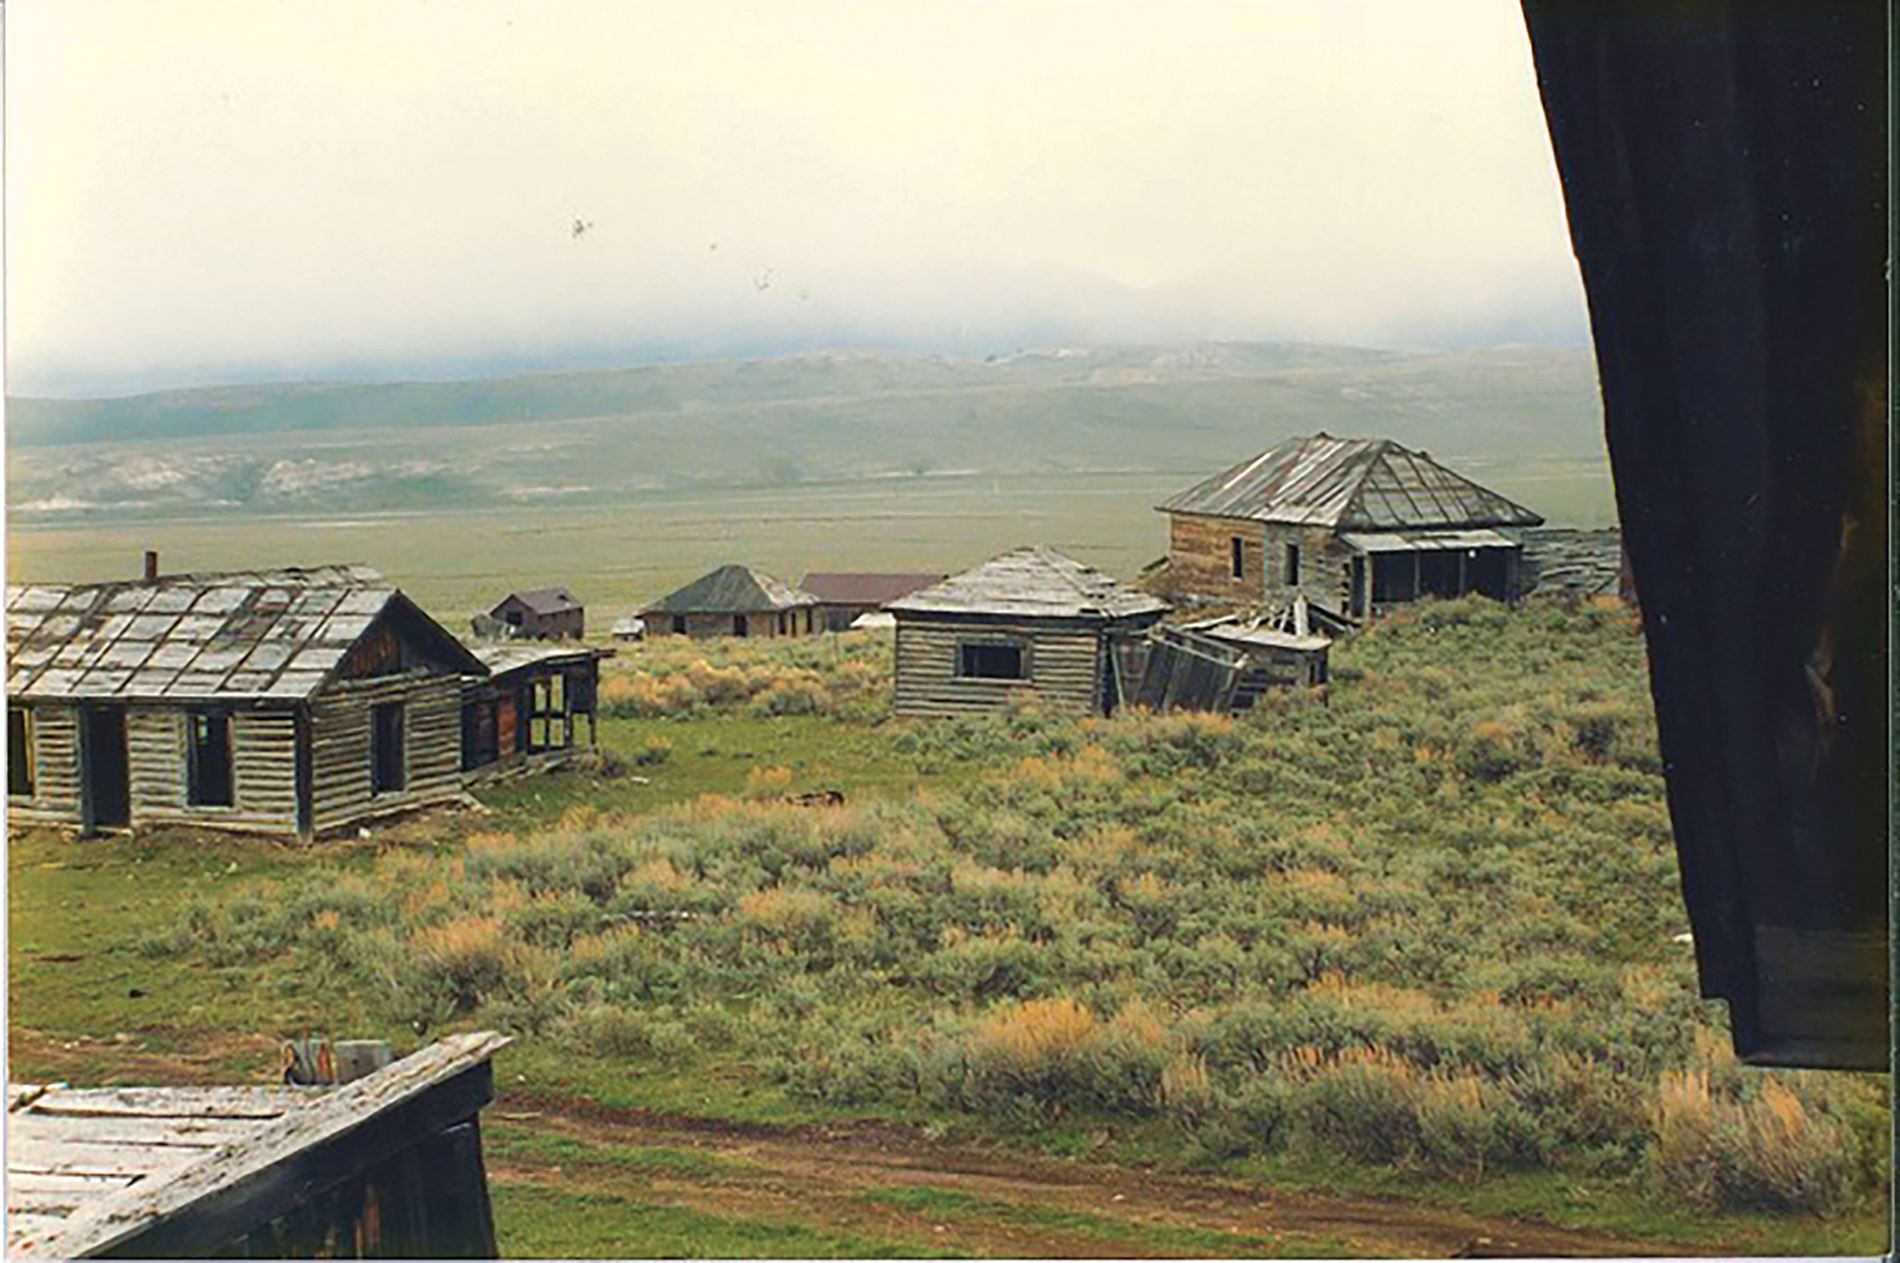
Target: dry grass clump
1761,1151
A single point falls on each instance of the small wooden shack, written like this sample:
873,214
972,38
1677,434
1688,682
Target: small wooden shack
542,614
1228,663
1028,626
733,600
1353,525
387,1166
844,597
289,702
528,712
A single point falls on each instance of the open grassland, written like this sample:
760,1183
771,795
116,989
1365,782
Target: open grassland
1380,970
620,555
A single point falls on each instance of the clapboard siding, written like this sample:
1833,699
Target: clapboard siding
1200,561
55,797
340,719
1325,577
1064,667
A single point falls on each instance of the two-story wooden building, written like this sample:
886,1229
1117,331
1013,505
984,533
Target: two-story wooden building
1353,525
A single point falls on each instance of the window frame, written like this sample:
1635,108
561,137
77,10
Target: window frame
1291,562
23,758
1024,664
380,784
1237,547
214,718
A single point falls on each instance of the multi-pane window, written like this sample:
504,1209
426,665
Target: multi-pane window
387,773
19,751
208,758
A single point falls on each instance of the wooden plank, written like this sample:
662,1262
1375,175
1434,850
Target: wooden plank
216,1102
20,1095
115,1129
232,1189
23,1230
62,1182
67,1157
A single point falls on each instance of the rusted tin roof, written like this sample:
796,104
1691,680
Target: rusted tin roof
732,589
1351,484
845,588
244,635
1034,582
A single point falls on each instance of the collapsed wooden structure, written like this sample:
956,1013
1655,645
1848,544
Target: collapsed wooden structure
388,1166
276,701
1029,626
527,712
733,600
1226,664
1355,526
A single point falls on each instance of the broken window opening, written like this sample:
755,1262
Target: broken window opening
20,754
208,761
990,661
387,771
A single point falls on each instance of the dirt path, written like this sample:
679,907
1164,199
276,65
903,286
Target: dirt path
894,1181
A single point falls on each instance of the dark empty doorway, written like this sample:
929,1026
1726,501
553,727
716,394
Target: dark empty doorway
105,799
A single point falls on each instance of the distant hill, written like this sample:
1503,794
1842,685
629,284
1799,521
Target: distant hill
791,420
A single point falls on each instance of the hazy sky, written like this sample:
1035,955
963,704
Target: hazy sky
206,191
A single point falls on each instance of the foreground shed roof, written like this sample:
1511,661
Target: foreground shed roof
501,657
244,635
732,589
1350,484
93,1168
1032,582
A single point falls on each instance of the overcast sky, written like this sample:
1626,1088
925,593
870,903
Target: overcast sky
199,192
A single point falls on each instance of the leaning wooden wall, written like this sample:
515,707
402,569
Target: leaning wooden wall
340,719
1325,567
1065,668
55,797
263,770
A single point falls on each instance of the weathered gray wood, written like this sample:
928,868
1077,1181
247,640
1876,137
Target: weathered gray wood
340,747
211,1102
23,1229
20,1095
231,1189
1063,662
114,1129
72,1157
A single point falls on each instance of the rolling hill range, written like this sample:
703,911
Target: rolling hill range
796,421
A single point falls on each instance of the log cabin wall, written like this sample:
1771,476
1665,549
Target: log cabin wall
1201,556
1063,663
55,741
340,721
263,770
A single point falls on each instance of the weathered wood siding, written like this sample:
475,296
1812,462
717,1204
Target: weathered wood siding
1064,666
55,797
1201,556
1325,577
340,719
263,770
760,625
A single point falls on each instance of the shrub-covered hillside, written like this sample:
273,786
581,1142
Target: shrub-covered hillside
1428,919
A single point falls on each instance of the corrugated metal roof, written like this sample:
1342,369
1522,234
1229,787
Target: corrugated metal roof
1365,484
844,588
1425,541
242,635
732,589
1035,582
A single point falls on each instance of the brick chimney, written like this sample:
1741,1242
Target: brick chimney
151,565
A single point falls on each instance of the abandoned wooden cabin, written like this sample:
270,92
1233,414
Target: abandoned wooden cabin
288,702
733,600
1355,526
387,1166
542,614
534,709
844,597
1028,626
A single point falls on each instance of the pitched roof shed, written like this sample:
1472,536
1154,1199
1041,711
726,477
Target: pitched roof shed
1033,582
